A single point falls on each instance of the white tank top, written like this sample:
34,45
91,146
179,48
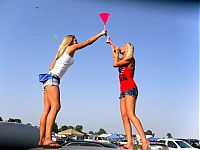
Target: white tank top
62,64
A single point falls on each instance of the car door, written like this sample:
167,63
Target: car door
172,145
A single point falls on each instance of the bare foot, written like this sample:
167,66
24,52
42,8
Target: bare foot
40,142
50,144
128,147
145,145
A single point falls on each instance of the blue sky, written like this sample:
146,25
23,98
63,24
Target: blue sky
166,39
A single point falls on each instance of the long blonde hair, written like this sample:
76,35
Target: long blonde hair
130,51
67,40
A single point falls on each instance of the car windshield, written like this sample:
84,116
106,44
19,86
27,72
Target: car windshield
183,144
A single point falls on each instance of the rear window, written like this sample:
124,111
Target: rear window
183,144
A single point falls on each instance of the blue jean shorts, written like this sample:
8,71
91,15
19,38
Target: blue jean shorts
54,81
131,92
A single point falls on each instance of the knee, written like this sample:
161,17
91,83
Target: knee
125,117
56,107
131,115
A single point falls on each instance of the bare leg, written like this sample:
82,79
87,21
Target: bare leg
44,118
126,123
130,107
53,94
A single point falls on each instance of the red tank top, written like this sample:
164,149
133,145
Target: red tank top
126,79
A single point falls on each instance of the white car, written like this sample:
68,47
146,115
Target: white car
99,139
122,141
174,144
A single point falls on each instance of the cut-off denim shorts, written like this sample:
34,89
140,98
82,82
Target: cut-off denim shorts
54,81
131,92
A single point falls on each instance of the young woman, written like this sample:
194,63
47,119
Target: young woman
63,60
128,92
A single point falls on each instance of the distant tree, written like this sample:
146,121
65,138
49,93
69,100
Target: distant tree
18,120
79,128
169,135
91,132
14,120
29,124
63,128
149,132
102,131
1,119
153,134
70,127
55,127
11,120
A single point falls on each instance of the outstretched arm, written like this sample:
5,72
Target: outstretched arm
73,48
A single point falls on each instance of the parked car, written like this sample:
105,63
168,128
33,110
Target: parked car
99,139
156,145
193,142
174,144
122,141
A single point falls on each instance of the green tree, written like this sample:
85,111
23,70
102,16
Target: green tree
55,127
102,131
91,132
63,128
14,120
18,120
79,128
149,132
70,127
1,119
169,135
11,120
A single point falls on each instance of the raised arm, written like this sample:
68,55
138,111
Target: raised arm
71,49
120,62
112,46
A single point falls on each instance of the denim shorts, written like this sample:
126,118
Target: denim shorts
53,81
131,92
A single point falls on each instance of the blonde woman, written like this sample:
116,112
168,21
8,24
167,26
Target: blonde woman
63,60
128,92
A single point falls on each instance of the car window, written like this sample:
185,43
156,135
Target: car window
171,144
99,138
162,141
183,144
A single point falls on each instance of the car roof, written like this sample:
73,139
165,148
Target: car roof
94,142
86,148
170,139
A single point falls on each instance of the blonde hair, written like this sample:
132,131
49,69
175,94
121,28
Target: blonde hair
67,40
130,51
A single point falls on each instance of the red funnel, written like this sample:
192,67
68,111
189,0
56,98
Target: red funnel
104,17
